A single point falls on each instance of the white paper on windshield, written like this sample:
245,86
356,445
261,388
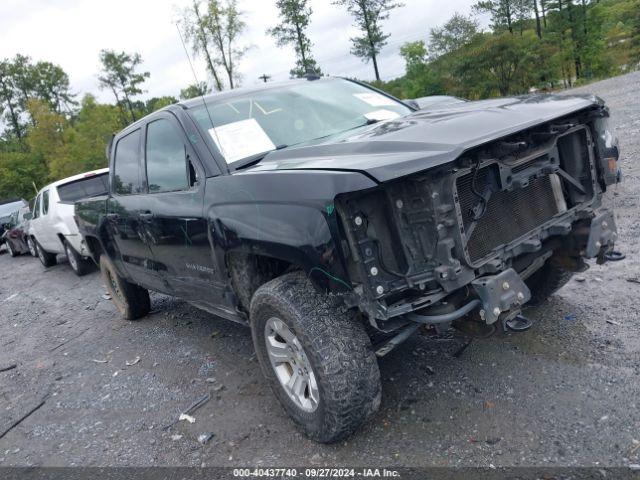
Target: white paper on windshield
380,115
241,139
375,99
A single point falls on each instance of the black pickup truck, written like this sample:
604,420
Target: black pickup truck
336,220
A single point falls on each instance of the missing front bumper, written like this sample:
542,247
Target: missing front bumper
501,293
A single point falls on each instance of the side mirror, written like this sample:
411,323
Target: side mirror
28,216
7,226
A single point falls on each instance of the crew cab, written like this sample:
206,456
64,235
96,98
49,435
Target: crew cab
53,229
336,221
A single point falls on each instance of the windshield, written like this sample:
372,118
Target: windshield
294,114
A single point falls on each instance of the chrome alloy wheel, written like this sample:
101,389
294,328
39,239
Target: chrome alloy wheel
291,365
71,257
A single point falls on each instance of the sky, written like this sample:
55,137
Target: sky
71,33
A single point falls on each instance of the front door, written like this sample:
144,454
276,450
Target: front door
175,224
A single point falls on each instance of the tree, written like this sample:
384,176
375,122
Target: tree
295,16
505,13
193,22
22,80
537,13
46,138
420,79
9,100
156,103
496,64
19,171
195,90
119,75
50,83
414,55
456,32
368,15
224,24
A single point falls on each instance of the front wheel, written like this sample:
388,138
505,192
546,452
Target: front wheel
12,252
32,247
318,360
80,266
132,301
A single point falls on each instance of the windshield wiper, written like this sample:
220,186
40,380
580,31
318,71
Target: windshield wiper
258,157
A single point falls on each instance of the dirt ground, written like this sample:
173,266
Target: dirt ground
565,393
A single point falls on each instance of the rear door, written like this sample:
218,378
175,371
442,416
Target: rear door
123,213
175,225
45,233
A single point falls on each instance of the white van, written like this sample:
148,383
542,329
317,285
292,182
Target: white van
53,228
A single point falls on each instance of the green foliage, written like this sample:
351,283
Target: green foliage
223,23
368,16
213,31
453,35
119,75
195,90
22,80
578,41
295,16
193,25
18,173
156,103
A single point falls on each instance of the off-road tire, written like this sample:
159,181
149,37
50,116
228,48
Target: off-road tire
12,252
547,280
131,300
337,347
80,265
47,259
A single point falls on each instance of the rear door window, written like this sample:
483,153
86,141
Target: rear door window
36,208
45,202
126,169
84,188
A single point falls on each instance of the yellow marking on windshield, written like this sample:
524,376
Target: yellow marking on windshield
264,112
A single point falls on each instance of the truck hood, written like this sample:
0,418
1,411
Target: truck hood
426,138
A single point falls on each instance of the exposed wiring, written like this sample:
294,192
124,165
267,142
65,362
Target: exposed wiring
336,279
475,214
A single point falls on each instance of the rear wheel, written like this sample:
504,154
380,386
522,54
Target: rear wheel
132,301
317,358
47,259
80,266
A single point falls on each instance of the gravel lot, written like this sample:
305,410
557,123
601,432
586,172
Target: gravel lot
567,392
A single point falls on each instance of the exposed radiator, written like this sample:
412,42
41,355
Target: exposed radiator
509,214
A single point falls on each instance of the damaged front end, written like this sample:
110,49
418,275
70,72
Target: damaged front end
457,243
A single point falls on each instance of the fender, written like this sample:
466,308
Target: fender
289,216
